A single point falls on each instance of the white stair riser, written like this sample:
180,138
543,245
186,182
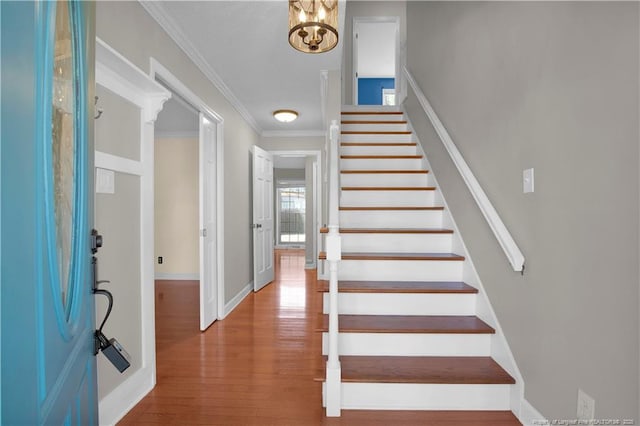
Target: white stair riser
412,396
391,218
384,179
410,344
400,270
372,117
397,243
378,150
380,164
363,137
387,127
406,198
403,304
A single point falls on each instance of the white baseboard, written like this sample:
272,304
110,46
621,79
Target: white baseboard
177,277
233,303
113,407
529,416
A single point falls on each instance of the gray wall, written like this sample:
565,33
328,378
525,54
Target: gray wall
128,28
362,9
552,86
117,218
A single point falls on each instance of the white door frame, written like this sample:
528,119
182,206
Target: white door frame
368,20
158,70
316,216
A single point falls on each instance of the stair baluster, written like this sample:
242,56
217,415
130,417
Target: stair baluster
334,253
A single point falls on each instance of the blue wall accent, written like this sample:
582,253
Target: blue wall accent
370,90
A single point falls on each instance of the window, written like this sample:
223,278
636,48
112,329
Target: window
291,200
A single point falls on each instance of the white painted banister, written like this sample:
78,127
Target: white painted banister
511,250
334,254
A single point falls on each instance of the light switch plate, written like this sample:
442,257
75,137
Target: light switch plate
105,181
527,181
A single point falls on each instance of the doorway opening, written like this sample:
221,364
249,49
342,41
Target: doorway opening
376,65
195,135
291,213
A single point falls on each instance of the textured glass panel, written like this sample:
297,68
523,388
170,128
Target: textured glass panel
62,142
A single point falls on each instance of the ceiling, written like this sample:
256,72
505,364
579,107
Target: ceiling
242,46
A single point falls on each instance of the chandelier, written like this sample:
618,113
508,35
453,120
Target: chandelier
313,25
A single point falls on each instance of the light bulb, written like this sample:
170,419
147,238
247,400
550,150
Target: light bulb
302,16
321,14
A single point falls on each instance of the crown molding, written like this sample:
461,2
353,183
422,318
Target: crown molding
158,13
292,133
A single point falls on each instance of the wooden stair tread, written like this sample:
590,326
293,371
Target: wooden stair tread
397,256
378,144
373,122
348,286
435,324
384,171
380,157
325,230
388,188
372,112
374,132
412,369
392,208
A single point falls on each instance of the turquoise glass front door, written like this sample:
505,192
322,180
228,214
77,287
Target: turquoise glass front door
48,367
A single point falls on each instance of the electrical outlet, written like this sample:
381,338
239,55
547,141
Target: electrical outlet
160,260
586,406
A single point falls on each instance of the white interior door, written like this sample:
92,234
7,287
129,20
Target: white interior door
208,229
263,268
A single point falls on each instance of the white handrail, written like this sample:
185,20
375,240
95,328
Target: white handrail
334,254
509,246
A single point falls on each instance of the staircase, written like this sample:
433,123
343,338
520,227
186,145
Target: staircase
409,337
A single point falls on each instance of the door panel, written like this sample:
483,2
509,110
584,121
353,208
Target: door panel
48,376
263,265
208,237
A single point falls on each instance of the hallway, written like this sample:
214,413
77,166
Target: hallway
257,366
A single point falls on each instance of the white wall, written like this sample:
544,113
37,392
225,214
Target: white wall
554,86
176,208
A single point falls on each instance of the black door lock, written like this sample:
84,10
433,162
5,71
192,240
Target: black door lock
111,349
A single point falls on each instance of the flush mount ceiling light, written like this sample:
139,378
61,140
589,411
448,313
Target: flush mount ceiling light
285,115
312,25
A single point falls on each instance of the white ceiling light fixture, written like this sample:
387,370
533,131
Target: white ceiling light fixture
313,25
285,115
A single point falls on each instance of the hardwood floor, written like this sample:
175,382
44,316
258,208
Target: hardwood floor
257,366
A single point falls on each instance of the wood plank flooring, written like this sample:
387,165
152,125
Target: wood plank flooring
257,366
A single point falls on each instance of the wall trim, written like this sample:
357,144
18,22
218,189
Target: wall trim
184,134
117,74
237,299
157,12
292,133
114,406
529,416
177,276
506,241
117,164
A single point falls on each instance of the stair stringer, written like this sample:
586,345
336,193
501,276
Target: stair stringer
500,350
